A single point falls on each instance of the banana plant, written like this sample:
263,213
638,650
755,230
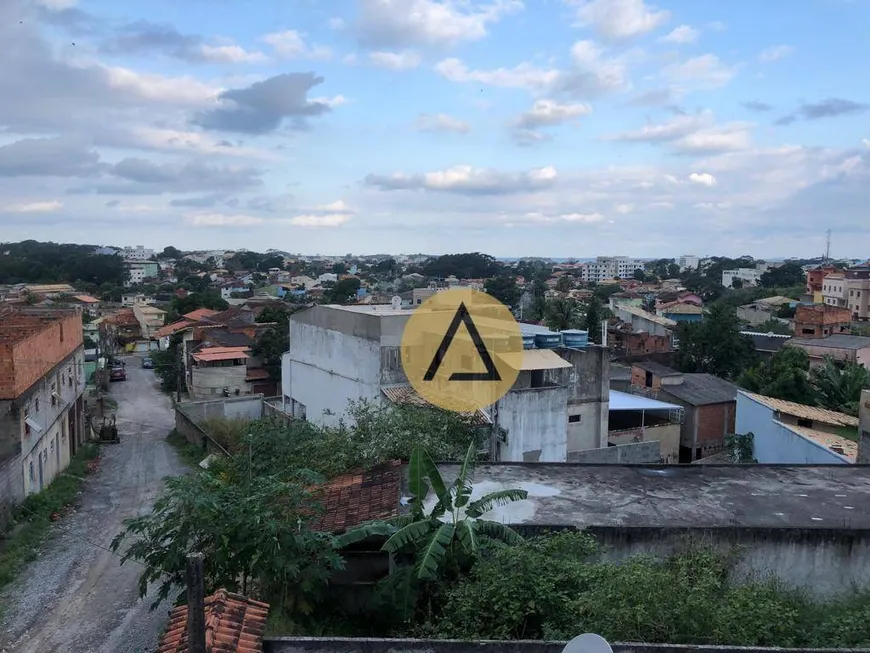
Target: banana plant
452,534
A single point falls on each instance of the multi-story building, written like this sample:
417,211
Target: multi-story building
609,267
339,354
816,281
42,366
821,320
137,253
139,271
849,289
747,276
689,262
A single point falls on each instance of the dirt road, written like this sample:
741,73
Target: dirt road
75,597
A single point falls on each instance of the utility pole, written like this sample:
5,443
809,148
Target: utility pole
179,375
828,246
195,577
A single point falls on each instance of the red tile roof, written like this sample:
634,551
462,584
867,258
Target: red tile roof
198,314
233,624
256,373
359,497
221,354
169,329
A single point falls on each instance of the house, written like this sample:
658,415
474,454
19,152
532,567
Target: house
816,281
762,310
121,327
681,312
840,347
821,320
233,287
626,341
744,276
49,291
340,354
709,405
42,362
218,371
150,319
641,320
634,419
849,289
766,344
788,433
139,271
233,624
87,303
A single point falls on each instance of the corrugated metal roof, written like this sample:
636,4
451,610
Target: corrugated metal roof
405,394
624,401
702,390
637,312
835,341
535,359
804,412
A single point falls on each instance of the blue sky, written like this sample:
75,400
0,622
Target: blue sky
556,127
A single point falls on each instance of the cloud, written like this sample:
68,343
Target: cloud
545,113
145,36
621,19
691,134
682,35
653,97
529,137
221,220
441,122
775,53
48,157
331,102
537,217
426,23
319,221
758,107
703,72
395,60
263,106
35,207
524,75
136,176
339,206
830,108
290,44
702,179
56,5
463,179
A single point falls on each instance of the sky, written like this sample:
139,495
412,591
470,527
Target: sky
563,128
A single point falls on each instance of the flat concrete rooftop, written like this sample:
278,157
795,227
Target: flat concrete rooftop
700,496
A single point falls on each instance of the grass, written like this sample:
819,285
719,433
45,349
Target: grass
189,453
32,520
848,432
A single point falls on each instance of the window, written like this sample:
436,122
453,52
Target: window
574,419
26,425
806,423
808,331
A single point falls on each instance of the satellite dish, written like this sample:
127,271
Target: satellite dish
587,643
396,302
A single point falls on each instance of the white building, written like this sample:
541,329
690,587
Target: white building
338,354
139,271
689,262
748,276
610,267
137,253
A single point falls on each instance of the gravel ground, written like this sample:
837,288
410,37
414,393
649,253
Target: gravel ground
75,596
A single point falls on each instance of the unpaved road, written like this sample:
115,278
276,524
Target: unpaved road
75,597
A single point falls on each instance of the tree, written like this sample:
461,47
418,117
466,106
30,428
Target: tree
344,291
839,385
774,326
594,317
209,298
504,288
639,275
714,345
604,291
464,266
170,252
339,268
736,283
253,535
561,314
271,346
741,447
787,274
785,375
707,288
565,283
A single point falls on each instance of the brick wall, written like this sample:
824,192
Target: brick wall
715,421
638,378
24,361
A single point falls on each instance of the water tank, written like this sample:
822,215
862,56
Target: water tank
528,341
548,340
575,338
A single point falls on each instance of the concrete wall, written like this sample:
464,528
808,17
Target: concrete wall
536,421
378,645
250,407
209,382
11,487
588,396
864,429
325,369
621,454
666,435
774,442
824,562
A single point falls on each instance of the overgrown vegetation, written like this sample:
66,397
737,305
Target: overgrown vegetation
32,519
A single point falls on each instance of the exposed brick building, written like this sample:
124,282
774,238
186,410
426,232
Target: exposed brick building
821,320
709,404
41,405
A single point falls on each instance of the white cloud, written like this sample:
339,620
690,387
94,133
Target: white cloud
702,179
221,220
331,102
441,122
291,44
621,19
703,72
395,60
523,75
538,217
178,91
592,72
56,5
336,23
410,23
775,53
730,137
676,127
328,220
339,206
549,112
229,54
464,179
682,35
527,137
35,207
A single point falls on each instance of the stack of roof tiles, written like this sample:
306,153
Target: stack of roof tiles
233,624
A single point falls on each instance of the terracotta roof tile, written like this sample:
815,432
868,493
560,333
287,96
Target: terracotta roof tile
359,497
233,624
199,313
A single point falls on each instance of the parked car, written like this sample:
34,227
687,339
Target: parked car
118,373
147,363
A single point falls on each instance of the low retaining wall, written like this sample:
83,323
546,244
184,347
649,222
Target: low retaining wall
373,645
247,407
634,453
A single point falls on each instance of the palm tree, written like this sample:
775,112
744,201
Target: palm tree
448,538
839,387
561,314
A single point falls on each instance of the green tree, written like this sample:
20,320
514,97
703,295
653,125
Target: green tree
594,316
773,326
209,298
464,266
839,385
639,275
562,313
343,291
504,288
787,274
714,345
604,291
170,252
736,283
785,375
565,283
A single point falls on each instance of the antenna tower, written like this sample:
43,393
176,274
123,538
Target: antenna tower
828,246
